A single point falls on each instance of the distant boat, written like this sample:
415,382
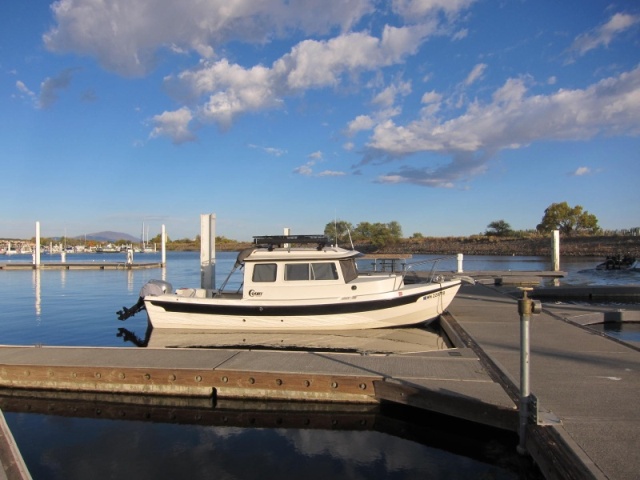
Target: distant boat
145,248
618,262
9,250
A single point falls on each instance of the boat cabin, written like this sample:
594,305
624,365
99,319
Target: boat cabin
278,268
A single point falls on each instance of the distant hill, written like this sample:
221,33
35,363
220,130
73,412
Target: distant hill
109,237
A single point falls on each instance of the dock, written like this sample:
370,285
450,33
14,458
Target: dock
80,266
585,424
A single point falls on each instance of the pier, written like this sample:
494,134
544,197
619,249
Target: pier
79,266
584,423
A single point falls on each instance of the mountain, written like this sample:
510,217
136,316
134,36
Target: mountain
109,237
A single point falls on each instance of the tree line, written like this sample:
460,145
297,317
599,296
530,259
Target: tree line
558,216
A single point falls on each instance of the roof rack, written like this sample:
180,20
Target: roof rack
280,240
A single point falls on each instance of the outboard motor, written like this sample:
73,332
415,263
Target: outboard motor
155,288
151,288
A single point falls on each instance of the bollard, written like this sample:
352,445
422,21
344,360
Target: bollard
460,258
526,307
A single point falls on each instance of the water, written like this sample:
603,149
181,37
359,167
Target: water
81,438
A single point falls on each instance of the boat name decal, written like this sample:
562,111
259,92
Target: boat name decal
434,295
253,293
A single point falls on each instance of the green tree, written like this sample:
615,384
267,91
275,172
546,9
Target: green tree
338,231
499,228
379,234
569,220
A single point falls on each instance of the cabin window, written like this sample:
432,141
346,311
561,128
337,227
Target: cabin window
349,270
296,271
264,272
310,271
324,271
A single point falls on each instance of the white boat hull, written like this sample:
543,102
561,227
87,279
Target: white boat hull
409,305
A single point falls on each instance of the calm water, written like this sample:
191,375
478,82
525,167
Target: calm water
87,438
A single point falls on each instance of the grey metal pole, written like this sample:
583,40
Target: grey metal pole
526,307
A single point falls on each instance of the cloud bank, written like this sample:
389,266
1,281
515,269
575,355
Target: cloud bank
333,44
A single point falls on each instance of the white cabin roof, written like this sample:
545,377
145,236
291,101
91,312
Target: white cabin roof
299,254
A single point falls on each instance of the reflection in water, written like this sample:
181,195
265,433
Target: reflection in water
64,436
37,293
380,341
130,281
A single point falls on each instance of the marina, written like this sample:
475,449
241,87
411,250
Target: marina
471,376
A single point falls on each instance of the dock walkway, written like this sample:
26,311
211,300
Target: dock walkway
588,382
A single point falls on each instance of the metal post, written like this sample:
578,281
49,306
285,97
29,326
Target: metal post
460,257
555,250
163,247
526,307
36,256
208,251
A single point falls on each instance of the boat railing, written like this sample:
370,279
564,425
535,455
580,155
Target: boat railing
409,271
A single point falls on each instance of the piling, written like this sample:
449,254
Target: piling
208,251
36,254
555,250
163,248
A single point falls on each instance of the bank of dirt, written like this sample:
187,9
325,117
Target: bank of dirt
596,246
601,246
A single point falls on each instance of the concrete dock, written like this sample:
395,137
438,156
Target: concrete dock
586,384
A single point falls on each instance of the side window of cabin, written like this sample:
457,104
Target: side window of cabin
264,272
296,271
349,270
324,271
310,271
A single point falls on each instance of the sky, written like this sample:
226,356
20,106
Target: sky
441,115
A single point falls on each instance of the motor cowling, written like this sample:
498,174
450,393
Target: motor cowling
155,288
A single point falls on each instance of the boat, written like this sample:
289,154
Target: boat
298,283
619,262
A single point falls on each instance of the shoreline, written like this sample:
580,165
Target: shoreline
595,246
569,246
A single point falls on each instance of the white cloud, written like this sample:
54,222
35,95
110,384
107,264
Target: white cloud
580,171
276,152
412,9
126,37
230,89
50,87
387,97
604,34
360,123
305,169
23,89
174,125
475,73
130,38
512,119
331,173
315,156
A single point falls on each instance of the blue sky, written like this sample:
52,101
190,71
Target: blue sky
442,115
